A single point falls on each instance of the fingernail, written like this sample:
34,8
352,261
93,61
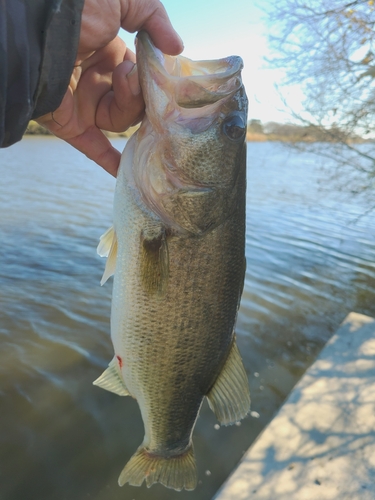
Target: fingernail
133,81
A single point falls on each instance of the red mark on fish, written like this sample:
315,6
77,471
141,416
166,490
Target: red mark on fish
120,362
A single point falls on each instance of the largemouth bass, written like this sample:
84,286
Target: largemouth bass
177,254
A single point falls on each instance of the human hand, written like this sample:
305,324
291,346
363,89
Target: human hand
104,91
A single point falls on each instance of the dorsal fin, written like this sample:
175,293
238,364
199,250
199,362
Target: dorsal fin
229,398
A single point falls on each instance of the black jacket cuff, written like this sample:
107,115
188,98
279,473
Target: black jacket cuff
38,48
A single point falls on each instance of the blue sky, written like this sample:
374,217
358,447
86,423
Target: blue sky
213,29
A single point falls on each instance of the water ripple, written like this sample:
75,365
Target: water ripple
310,260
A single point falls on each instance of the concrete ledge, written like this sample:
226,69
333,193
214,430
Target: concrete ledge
321,444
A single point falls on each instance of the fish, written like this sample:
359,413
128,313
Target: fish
177,253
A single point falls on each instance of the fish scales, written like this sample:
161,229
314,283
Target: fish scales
177,254
164,336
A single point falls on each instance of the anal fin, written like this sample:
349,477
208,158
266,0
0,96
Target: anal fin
229,398
111,380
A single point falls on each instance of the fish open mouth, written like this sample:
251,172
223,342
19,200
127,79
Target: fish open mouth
190,84
189,104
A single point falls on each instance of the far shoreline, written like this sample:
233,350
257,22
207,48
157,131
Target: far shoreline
34,129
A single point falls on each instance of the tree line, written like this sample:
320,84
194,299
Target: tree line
327,48
294,132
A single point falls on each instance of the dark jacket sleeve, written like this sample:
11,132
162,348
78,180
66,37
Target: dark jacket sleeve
38,47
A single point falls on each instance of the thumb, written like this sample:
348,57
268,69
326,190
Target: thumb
151,16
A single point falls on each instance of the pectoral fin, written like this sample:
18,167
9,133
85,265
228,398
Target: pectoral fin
229,397
154,260
111,380
108,248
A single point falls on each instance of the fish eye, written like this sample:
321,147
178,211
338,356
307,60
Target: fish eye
234,127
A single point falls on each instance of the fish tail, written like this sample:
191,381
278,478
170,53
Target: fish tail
175,472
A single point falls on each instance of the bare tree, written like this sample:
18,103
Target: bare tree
328,48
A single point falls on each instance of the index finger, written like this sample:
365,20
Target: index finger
151,16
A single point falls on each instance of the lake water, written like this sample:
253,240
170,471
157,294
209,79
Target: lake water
310,261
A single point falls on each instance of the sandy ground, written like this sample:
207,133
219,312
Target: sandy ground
321,444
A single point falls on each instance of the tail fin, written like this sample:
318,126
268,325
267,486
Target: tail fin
176,472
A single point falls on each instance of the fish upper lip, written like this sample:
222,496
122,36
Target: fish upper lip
208,81
234,64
